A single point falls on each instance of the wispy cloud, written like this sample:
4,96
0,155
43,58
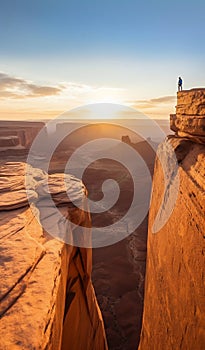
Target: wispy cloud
12,87
153,102
156,107
164,99
18,88
21,97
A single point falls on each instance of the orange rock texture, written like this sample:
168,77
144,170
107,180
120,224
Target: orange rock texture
189,120
46,293
174,306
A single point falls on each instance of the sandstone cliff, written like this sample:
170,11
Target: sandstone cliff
47,298
174,306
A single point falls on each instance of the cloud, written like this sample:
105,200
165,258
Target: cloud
154,102
164,99
18,88
155,107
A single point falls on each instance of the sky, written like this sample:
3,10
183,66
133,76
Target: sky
58,55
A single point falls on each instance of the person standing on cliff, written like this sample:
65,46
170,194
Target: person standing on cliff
180,84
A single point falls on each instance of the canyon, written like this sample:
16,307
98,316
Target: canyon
145,291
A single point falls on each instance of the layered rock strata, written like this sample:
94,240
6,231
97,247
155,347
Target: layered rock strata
18,135
189,120
46,293
174,305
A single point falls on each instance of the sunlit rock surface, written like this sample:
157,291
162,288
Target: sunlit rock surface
47,298
174,306
189,120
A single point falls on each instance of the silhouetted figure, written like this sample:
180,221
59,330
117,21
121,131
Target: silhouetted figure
180,84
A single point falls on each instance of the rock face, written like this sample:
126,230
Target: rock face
18,134
189,120
191,102
47,298
174,306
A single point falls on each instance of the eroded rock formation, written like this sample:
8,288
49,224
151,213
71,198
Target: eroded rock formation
18,135
174,306
47,298
189,120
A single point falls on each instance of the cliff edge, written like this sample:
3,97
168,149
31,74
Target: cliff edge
174,305
47,300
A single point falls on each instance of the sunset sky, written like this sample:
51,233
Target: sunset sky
57,55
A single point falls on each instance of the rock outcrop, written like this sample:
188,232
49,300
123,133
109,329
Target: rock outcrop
46,293
174,305
18,135
189,120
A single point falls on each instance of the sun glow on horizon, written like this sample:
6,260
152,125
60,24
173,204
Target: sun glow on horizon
31,100
102,111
